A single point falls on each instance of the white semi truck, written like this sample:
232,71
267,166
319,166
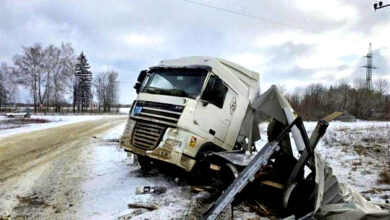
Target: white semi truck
188,106
202,113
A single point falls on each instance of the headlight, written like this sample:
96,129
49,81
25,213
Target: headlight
173,143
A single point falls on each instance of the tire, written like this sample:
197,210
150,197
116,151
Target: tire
200,173
145,163
299,199
227,173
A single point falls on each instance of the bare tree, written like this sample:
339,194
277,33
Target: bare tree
30,65
295,99
46,72
50,65
8,85
106,86
382,86
60,64
112,89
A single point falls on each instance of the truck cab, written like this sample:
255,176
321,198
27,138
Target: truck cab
187,106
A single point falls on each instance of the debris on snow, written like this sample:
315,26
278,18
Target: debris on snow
149,207
150,189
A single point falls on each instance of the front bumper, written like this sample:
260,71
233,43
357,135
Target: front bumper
170,149
164,154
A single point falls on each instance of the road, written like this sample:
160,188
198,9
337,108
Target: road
42,172
77,171
24,151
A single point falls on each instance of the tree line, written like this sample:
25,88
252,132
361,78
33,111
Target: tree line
356,101
55,77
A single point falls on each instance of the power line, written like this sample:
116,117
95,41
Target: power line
261,18
222,9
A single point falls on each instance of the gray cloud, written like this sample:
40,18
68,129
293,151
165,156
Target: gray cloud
129,36
288,52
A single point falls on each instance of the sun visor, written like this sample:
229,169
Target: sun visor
202,67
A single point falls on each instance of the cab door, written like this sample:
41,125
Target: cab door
215,108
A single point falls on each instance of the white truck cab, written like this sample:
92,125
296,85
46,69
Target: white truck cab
186,106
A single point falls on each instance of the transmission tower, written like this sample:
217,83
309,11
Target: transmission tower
369,67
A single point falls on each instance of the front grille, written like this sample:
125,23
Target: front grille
147,136
159,113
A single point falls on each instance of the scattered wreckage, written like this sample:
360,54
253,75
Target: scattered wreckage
202,114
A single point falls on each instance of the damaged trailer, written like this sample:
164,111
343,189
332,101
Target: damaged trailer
319,195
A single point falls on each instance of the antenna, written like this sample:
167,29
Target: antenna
369,67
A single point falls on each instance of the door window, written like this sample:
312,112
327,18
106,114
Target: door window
215,91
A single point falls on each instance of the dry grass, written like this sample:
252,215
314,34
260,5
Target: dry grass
34,120
384,176
32,201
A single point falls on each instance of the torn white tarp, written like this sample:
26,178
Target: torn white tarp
336,200
273,104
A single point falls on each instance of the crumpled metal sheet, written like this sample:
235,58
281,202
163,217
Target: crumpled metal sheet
236,158
336,200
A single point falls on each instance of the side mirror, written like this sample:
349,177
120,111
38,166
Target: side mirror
141,77
137,87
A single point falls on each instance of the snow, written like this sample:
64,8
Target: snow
55,120
124,110
357,152
113,179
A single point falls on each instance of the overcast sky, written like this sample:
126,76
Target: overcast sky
291,43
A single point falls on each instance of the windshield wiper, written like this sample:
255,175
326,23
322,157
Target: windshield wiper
174,92
178,92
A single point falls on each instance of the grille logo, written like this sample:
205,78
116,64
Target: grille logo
137,110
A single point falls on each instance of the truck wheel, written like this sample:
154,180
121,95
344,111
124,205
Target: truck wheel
146,163
228,173
200,173
298,198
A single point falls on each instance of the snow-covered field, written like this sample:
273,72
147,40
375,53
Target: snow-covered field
104,179
7,127
359,152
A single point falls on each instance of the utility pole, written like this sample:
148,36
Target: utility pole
369,67
380,5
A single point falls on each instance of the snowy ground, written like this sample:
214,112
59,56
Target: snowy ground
98,180
358,153
177,202
112,182
124,111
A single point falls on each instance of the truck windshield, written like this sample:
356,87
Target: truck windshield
175,82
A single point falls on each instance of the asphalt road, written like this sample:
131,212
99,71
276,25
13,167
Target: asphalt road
41,172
